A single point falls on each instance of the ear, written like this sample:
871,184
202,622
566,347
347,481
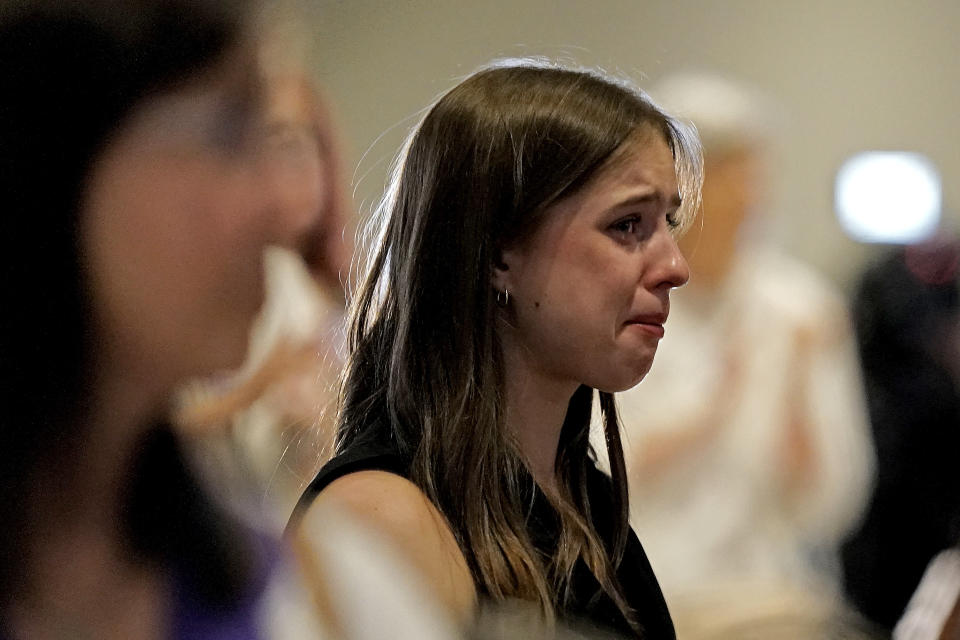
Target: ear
505,265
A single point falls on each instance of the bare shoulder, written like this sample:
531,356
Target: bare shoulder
397,508
391,503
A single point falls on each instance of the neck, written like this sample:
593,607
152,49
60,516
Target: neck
80,567
536,407
125,401
81,492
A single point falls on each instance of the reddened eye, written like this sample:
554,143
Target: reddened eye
627,226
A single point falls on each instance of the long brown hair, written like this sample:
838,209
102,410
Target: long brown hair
426,369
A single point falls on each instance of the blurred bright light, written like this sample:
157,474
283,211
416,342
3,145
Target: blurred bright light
888,196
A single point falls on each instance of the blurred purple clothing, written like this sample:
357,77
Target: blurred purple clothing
192,620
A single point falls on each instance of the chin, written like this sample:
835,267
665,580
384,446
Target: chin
631,376
621,383
624,386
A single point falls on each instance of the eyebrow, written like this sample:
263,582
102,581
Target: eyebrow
645,198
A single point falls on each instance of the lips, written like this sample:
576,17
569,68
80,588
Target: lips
650,323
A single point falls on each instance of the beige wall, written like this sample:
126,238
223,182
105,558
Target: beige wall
851,75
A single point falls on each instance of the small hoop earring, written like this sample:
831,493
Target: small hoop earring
503,298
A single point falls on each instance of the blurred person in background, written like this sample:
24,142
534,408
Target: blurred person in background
525,260
748,449
278,410
907,315
137,200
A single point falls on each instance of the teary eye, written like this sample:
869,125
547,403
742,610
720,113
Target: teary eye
627,226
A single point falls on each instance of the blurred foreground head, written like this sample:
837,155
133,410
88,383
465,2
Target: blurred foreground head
135,208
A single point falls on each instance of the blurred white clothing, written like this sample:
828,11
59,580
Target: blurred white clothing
933,601
285,433
278,409
374,593
758,377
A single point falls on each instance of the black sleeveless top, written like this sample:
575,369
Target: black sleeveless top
588,604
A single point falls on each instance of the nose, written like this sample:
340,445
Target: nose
667,267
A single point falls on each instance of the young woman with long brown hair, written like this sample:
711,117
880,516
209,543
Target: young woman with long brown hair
524,264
